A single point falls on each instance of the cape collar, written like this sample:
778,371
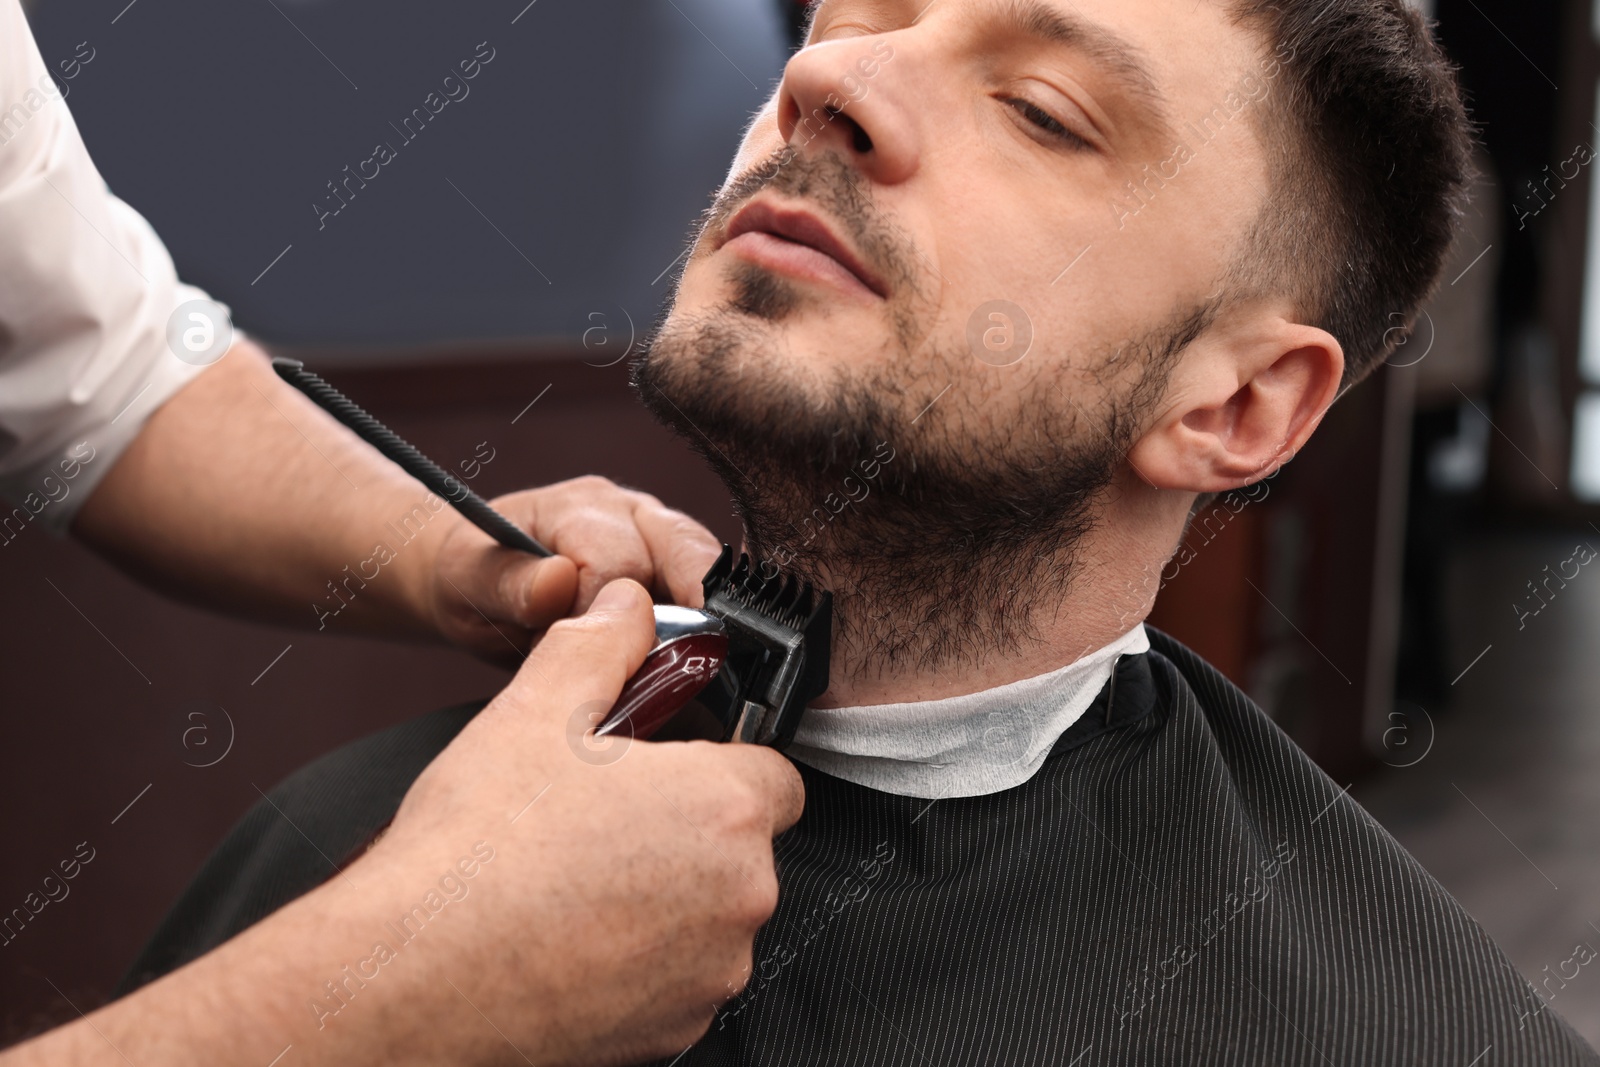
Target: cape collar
964,746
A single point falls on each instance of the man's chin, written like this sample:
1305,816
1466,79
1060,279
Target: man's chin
751,394
809,349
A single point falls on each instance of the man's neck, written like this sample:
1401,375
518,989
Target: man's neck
1110,587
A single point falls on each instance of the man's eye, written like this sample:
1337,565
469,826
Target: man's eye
838,33
1045,121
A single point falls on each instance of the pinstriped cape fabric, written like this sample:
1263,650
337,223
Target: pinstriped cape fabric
1178,884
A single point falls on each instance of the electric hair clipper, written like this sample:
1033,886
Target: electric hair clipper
755,656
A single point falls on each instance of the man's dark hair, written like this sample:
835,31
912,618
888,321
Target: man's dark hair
1370,152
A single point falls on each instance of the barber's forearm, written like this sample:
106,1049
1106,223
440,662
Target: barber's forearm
268,989
242,494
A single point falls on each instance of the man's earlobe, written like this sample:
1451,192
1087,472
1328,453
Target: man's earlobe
1240,407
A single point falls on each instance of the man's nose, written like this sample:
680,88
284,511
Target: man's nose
844,96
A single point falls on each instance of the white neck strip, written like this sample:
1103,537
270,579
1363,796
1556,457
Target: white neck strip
962,746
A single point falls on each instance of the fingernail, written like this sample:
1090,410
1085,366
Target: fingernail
616,596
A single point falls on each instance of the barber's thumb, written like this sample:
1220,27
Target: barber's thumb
620,623
620,597
619,630
537,592
585,660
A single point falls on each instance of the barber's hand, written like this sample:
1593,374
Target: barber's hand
535,900
625,887
496,601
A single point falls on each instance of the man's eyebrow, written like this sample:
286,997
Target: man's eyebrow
1119,56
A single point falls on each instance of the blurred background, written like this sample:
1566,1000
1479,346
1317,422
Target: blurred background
1409,598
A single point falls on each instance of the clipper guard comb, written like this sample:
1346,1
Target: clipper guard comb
756,656
779,636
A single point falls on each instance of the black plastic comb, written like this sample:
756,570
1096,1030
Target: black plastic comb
477,510
780,633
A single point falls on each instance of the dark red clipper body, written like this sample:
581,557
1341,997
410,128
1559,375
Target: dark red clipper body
690,648
756,655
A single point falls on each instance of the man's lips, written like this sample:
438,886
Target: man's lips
797,242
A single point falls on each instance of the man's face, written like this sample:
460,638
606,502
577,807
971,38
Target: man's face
979,176
962,234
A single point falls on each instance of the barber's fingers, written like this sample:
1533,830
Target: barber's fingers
774,786
681,550
587,659
611,532
621,533
742,793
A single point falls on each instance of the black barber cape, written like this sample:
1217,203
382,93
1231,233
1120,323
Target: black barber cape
1178,884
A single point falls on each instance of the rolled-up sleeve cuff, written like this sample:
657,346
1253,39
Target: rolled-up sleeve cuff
87,290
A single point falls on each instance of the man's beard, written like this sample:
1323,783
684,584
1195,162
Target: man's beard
945,533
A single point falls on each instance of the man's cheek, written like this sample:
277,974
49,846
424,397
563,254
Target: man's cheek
701,285
761,139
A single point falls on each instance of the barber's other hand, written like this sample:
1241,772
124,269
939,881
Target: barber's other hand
627,884
496,601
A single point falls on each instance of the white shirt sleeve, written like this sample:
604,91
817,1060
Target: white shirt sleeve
86,289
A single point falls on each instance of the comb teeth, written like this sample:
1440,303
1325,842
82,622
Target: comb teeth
780,632
783,601
780,597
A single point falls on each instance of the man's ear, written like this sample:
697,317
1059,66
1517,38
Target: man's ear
1241,402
